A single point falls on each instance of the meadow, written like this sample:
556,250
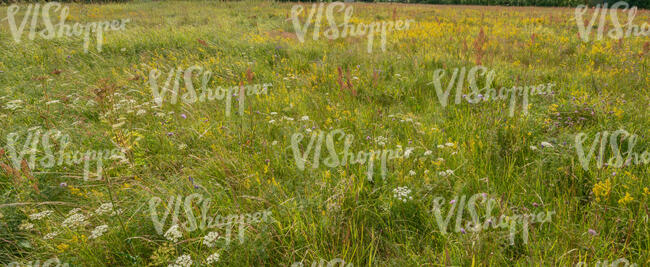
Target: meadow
230,160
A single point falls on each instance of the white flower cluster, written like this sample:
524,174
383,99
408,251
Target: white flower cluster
75,220
182,261
402,193
446,173
40,215
173,234
25,226
99,231
210,239
214,258
380,140
50,235
104,208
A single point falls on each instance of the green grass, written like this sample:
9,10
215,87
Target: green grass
245,164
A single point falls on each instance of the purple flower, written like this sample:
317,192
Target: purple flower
462,230
170,133
452,201
614,174
267,160
191,179
368,137
196,187
535,204
592,232
63,184
183,116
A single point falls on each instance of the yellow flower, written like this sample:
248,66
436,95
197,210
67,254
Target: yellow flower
626,199
602,189
62,247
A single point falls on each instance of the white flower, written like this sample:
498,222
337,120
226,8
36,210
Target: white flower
182,261
446,173
173,234
210,239
273,113
73,211
545,144
99,231
426,171
104,208
26,226
274,143
308,130
304,118
118,125
533,148
50,235
74,220
271,121
182,146
428,152
40,215
141,112
287,118
402,193
214,258
412,173
52,102
441,146
380,140
440,159
408,151
450,144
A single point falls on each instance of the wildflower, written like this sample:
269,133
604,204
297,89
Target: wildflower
40,215
402,193
440,159
173,233
104,208
601,189
182,261
214,258
440,146
274,143
533,148
73,211
450,144
273,113
446,173
412,173
452,201
210,239
408,151
99,231
50,235
304,118
546,144
428,152
626,199
141,112
462,230
271,121
25,226
63,184
592,232
183,116
75,220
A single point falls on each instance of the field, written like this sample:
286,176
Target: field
243,151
